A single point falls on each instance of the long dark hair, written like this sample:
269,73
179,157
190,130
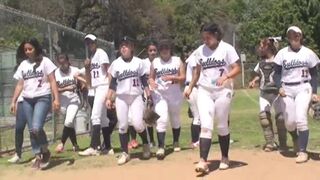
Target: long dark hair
38,51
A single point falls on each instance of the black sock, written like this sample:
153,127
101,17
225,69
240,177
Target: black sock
150,132
224,142
294,135
132,132
303,140
195,132
113,119
95,136
124,139
73,137
144,137
205,145
65,134
161,139
176,134
106,133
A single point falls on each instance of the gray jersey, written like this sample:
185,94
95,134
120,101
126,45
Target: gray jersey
266,71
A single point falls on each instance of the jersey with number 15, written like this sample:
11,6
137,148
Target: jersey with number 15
128,75
215,63
98,73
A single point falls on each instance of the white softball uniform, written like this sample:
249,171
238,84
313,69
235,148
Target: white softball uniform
69,100
295,79
168,96
99,84
193,97
36,82
129,92
215,100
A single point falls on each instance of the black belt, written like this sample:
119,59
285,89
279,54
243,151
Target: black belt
295,83
188,83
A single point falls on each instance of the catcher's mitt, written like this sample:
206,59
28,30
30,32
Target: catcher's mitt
149,116
315,110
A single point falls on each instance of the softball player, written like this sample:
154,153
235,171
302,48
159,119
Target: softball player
96,76
264,71
67,78
127,76
36,81
167,72
218,62
296,78
192,100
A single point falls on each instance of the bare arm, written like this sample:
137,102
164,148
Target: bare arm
17,91
55,92
235,70
195,77
152,78
87,66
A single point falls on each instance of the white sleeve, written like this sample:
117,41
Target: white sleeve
232,55
18,74
278,58
49,67
111,69
147,64
256,68
314,60
197,56
103,57
82,71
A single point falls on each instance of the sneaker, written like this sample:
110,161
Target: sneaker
160,154
146,151
89,152
302,157
195,145
45,160
270,147
107,152
36,163
202,167
15,159
224,163
75,148
59,148
134,144
176,147
152,144
123,158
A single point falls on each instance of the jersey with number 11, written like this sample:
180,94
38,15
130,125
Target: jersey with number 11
98,73
128,75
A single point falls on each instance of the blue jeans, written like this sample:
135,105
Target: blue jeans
21,122
36,110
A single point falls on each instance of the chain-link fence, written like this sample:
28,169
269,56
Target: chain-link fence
55,38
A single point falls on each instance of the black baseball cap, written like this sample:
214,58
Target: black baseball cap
127,40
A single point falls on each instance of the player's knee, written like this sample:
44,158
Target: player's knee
265,118
223,131
290,125
139,127
123,128
206,133
302,126
68,124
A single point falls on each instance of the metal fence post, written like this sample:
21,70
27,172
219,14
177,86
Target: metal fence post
54,122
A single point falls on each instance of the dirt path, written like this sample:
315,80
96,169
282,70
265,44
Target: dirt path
246,165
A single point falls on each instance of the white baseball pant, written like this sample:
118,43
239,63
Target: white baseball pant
193,97
126,104
296,104
99,110
211,104
69,108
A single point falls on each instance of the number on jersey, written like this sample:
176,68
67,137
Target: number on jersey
305,73
95,74
135,82
221,71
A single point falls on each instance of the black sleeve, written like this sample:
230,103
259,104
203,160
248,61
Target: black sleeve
314,76
113,83
144,80
277,75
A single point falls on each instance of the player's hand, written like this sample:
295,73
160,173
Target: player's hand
221,80
109,104
167,78
187,93
87,63
56,105
252,84
13,108
282,93
315,98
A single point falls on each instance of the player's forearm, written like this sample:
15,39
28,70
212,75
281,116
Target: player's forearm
88,77
17,91
54,87
277,76
195,77
314,77
256,78
234,71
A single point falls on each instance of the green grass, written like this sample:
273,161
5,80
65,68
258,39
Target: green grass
244,124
